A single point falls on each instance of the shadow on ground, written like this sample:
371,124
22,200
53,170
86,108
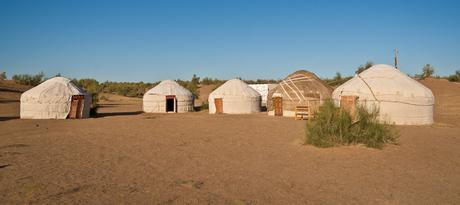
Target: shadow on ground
8,101
109,114
8,118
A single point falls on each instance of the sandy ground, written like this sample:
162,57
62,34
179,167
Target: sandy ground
128,157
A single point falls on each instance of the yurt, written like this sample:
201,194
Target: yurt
234,97
400,99
263,90
56,98
301,88
168,97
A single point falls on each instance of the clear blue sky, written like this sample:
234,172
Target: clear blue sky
155,40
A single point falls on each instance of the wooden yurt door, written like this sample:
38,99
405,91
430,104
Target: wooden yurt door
219,105
348,103
278,105
77,106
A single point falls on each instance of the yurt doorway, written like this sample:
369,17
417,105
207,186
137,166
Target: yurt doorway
219,105
170,103
278,105
76,107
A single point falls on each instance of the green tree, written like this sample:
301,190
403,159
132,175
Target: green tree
455,77
428,71
191,85
3,76
195,80
90,85
337,80
364,67
27,79
338,76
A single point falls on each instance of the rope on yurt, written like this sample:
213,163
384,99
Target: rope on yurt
393,101
370,89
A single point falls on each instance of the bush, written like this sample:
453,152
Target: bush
334,126
455,77
262,81
191,85
364,67
337,80
211,81
127,89
26,79
204,106
90,85
427,71
3,76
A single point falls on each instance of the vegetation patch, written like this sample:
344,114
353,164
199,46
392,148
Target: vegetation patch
27,79
334,126
455,77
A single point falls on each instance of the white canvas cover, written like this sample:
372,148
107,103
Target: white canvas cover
52,99
154,100
237,98
400,99
263,89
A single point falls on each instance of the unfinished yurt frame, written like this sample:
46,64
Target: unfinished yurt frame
299,92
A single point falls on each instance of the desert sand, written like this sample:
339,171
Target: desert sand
125,156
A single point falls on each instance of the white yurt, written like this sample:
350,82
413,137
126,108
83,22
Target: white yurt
401,100
56,98
234,97
263,90
168,97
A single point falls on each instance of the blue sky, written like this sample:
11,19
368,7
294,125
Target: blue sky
155,40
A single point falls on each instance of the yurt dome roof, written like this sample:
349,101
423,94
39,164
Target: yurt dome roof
302,82
235,87
386,83
52,88
169,87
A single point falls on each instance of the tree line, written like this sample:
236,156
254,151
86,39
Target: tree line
137,89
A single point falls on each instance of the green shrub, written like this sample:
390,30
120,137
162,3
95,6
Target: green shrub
27,79
337,80
191,85
455,77
262,81
211,81
364,67
94,104
427,71
204,106
3,76
128,89
334,126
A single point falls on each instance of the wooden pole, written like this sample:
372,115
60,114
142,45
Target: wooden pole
396,57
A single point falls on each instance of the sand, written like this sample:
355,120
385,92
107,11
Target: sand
127,157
